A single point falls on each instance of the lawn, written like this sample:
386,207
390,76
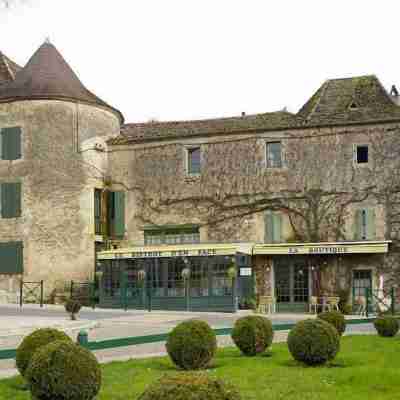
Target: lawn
367,367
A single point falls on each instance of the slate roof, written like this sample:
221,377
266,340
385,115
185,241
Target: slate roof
8,69
175,129
350,100
344,101
47,76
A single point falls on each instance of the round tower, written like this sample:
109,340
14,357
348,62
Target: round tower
52,140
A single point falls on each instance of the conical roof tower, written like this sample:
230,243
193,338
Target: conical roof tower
47,76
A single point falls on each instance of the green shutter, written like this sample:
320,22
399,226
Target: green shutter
11,143
371,232
119,214
11,258
358,225
269,226
10,200
277,228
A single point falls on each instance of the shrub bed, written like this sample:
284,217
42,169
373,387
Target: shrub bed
33,342
335,318
192,344
313,341
63,371
252,334
189,385
386,326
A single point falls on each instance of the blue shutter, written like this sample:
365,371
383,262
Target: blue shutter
11,143
10,200
277,228
370,231
358,225
11,258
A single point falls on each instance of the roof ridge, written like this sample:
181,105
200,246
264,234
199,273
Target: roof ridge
205,120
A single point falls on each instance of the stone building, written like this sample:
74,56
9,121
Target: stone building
198,214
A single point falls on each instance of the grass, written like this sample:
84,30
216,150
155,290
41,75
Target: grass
367,367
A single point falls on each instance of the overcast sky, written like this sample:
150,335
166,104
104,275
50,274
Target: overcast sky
175,59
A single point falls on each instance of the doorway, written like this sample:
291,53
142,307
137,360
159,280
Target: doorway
292,285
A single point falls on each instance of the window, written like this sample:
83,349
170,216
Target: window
116,214
11,258
10,200
365,224
172,235
361,154
175,283
362,280
221,282
199,285
10,143
193,160
274,155
273,227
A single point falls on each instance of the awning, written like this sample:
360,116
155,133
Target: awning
181,250
365,247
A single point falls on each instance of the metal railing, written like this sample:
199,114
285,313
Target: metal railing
31,292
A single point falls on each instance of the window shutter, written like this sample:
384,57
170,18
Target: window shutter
119,214
371,232
11,143
11,258
269,225
277,228
358,225
10,200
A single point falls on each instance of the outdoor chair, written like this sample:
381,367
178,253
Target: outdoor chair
333,303
315,304
361,305
266,305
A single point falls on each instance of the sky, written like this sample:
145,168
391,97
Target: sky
176,60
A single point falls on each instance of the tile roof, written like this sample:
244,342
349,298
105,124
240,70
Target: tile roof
8,69
48,76
148,131
344,101
350,100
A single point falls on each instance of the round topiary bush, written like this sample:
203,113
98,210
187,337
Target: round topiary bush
33,342
313,341
252,334
189,385
386,326
192,344
63,371
335,318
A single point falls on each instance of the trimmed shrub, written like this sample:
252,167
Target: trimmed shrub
313,341
189,385
192,344
386,326
33,342
335,318
73,307
63,371
252,334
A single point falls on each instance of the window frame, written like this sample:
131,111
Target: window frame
188,149
20,208
266,154
165,235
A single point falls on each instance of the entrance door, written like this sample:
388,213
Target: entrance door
362,280
291,286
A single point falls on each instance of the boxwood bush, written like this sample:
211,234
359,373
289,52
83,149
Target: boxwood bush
252,334
63,371
31,343
192,344
386,326
190,385
313,341
335,318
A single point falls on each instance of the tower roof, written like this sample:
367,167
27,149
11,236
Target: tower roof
8,69
47,76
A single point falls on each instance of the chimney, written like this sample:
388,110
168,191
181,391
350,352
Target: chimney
394,93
